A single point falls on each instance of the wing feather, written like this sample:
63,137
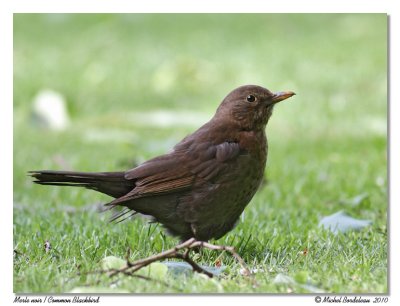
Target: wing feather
180,169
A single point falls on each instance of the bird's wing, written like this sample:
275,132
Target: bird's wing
188,164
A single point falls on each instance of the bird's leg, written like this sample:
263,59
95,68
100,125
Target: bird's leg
230,249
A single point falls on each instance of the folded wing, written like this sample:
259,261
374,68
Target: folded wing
190,163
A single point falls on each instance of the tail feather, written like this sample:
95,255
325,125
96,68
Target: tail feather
111,183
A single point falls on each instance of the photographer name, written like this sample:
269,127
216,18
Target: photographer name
345,299
52,299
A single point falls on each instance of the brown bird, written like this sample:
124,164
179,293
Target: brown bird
203,185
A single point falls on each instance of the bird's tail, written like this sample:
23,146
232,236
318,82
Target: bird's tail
111,183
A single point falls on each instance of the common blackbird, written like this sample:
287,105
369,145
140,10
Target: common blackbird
201,187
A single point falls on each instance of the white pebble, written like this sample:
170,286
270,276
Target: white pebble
49,108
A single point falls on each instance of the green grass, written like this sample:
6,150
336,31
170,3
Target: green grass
326,145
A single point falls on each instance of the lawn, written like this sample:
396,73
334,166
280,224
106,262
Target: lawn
137,84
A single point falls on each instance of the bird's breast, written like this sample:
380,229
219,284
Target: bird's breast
255,144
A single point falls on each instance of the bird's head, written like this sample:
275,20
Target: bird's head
250,106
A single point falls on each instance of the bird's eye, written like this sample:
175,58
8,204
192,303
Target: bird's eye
250,98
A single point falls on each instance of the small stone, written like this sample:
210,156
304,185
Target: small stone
50,111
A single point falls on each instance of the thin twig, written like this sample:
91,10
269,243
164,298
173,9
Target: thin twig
175,252
181,251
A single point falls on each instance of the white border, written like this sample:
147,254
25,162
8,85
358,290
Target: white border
182,6
7,8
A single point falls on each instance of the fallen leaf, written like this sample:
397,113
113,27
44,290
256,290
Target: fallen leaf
112,262
179,267
156,270
340,222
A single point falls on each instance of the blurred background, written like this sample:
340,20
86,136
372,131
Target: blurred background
140,82
104,92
